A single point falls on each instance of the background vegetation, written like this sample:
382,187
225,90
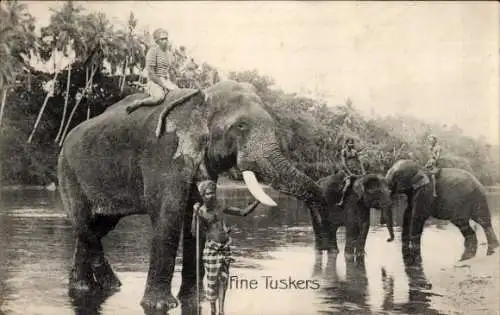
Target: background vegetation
311,131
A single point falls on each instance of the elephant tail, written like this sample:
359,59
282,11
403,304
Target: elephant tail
481,212
73,198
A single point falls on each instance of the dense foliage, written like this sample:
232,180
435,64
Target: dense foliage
311,131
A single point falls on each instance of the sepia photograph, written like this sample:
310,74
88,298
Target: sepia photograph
249,157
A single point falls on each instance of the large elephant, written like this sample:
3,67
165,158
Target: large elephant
114,165
460,197
367,191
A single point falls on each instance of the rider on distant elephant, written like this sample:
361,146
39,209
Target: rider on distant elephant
158,62
351,164
432,163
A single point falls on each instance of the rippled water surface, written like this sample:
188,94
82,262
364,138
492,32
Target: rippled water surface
36,248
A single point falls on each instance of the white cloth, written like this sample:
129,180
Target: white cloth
157,91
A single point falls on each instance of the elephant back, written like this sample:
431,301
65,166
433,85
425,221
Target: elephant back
457,182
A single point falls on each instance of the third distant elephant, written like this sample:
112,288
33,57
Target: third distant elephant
460,197
366,192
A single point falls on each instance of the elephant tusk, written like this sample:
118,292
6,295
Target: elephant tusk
256,190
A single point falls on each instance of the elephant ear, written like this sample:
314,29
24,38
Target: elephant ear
420,179
189,123
359,188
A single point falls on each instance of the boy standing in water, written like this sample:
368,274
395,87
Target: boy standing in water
217,251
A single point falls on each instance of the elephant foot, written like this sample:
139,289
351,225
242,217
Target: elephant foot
467,255
105,277
109,282
491,248
81,281
159,301
81,286
490,251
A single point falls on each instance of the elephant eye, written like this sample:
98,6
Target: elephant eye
242,125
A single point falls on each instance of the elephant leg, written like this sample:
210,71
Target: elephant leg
331,253
416,238
361,243
167,227
78,207
482,215
81,277
352,234
188,285
405,233
322,234
333,238
470,239
421,208
103,273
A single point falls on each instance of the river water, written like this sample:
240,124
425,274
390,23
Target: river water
36,248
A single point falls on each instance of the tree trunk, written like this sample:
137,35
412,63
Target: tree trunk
4,97
49,94
65,109
123,75
29,81
65,132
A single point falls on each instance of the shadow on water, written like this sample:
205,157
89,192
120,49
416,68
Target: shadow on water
347,296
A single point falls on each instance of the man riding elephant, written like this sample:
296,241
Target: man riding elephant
159,60
461,198
432,163
351,164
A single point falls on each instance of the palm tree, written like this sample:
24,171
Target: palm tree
130,49
96,29
17,44
63,36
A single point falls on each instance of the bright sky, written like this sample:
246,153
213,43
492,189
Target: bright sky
437,61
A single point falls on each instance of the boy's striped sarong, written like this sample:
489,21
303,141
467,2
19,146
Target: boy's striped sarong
216,259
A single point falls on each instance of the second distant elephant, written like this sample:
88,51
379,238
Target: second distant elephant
460,197
366,192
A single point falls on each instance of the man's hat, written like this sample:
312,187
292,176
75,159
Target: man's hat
160,33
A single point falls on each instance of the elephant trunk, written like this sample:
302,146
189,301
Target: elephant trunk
387,213
386,218
283,176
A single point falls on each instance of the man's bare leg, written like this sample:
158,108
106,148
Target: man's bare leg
222,294
434,184
147,102
347,183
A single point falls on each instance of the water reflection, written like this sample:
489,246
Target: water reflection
89,303
347,296
419,298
